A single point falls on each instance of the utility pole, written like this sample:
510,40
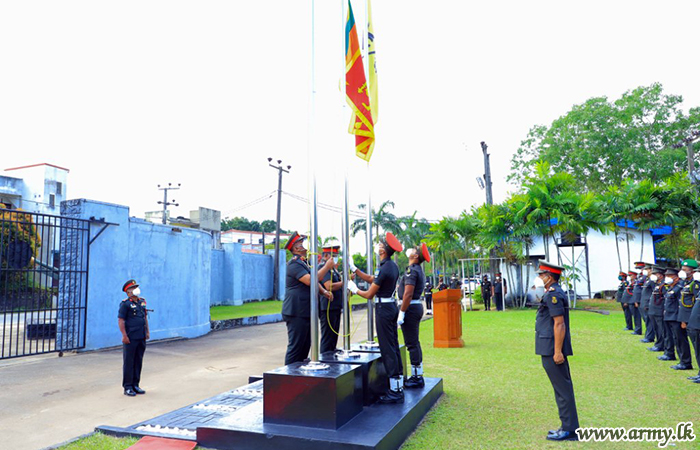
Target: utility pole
489,201
276,277
165,200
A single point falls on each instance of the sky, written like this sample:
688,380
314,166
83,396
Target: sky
132,94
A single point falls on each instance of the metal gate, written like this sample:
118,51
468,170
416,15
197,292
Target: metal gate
43,283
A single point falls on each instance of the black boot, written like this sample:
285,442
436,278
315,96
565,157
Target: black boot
415,382
391,397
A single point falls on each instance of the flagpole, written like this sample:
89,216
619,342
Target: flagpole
370,255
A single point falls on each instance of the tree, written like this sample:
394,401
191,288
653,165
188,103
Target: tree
381,219
243,224
602,142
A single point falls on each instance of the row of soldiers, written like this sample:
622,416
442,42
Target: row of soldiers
665,299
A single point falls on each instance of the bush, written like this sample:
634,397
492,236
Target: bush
477,298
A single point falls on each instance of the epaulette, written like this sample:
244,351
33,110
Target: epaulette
551,289
408,271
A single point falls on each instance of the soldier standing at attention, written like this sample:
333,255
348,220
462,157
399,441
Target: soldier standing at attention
632,303
296,307
133,323
620,296
637,296
647,290
486,289
553,344
330,310
499,290
694,329
674,287
428,297
411,312
382,287
656,315
685,306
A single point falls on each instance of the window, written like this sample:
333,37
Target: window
52,200
241,241
59,188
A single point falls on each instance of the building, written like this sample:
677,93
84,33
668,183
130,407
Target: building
37,188
253,241
202,219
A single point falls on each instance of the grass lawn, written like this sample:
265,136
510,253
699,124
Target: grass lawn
497,395
258,309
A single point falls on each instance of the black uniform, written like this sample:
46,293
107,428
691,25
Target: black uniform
694,329
415,277
647,290
330,314
296,311
428,292
553,304
685,306
498,293
134,315
441,286
635,294
486,294
664,335
386,315
671,302
620,297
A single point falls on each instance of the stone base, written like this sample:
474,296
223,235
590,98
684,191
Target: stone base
374,379
402,348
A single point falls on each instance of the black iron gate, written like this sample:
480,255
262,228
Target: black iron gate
43,283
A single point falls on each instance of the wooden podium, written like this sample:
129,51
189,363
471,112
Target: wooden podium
447,319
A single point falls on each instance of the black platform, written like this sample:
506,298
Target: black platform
234,420
374,379
359,347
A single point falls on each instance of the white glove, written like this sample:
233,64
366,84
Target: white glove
352,267
352,287
402,314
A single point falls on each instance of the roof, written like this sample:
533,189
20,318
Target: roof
252,232
662,230
37,165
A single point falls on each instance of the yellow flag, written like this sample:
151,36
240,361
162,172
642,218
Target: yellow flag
372,63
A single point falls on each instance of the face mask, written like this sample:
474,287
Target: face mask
376,248
539,282
136,292
335,260
654,278
696,276
668,280
682,275
305,245
410,252
645,273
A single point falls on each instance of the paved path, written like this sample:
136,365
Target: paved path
46,400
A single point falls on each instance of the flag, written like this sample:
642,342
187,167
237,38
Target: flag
356,92
372,69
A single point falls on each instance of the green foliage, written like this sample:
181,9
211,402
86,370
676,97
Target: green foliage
243,224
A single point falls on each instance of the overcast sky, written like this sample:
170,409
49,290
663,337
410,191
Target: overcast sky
132,94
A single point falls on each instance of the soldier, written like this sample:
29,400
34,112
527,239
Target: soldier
685,306
330,310
553,344
647,290
428,292
133,324
441,285
664,338
486,289
620,297
694,328
671,300
411,312
454,282
382,287
296,307
632,303
499,290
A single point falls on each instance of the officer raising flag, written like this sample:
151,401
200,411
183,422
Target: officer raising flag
332,309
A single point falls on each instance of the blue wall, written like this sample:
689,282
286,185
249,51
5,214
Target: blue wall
173,269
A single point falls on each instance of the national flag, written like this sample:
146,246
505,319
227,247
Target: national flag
356,92
372,62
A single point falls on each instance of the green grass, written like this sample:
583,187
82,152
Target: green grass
258,309
99,441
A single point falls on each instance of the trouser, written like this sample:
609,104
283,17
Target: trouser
560,377
694,335
487,302
634,314
410,330
329,331
656,322
498,299
429,301
680,336
667,332
386,315
649,324
133,361
298,339
628,316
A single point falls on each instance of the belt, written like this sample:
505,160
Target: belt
416,302
384,300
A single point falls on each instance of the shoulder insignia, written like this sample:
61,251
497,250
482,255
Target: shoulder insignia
554,300
551,289
408,271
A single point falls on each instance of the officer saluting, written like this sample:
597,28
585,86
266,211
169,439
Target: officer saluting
382,289
428,296
331,310
553,344
486,289
296,307
664,339
133,323
411,311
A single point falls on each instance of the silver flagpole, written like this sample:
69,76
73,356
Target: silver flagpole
346,269
370,255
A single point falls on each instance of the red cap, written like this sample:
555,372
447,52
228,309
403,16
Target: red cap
295,237
129,284
333,249
424,251
624,274
392,242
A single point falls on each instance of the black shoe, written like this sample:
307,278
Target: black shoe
682,367
391,397
697,381
627,329
553,431
655,349
638,334
138,390
645,340
415,382
666,358
563,436
696,377
130,392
